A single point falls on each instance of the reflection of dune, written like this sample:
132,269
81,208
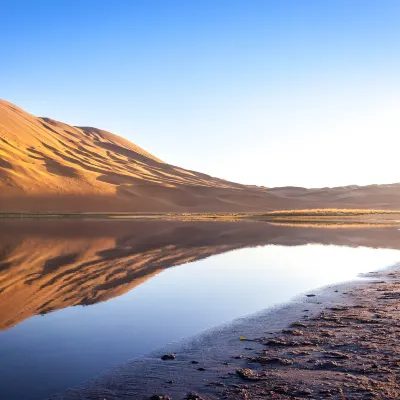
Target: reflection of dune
50,265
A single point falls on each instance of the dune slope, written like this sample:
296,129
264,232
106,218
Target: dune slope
46,165
49,166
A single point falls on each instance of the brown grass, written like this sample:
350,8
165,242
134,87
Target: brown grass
334,225
328,212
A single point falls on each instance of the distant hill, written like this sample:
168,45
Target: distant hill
46,165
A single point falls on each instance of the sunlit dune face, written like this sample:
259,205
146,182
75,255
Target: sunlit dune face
41,157
40,146
100,161
46,165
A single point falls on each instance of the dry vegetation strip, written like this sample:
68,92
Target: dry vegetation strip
329,212
309,216
334,224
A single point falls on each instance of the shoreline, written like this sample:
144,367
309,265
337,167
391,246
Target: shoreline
329,218
335,351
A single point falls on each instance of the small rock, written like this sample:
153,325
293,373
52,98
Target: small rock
193,396
338,308
171,356
272,360
337,354
327,334
294,332
281,389
216,383
304,392
248,374
298,324
326,364
277,342
327,392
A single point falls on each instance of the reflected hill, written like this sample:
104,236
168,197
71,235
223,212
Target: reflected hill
49,265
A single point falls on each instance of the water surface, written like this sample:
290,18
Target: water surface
78,298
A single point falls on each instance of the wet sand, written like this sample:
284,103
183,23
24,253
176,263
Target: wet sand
336,343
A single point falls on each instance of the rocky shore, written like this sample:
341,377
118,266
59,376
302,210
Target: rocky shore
349,351
337,343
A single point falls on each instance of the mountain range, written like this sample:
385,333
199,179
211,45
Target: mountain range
50,166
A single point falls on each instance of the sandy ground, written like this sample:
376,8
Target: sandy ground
348,351
336,343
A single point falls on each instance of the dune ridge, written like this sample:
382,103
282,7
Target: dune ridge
46,165
50,166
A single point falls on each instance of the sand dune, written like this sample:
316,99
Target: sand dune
46,165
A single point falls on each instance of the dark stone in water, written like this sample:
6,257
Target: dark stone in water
193,396
171,356
217,383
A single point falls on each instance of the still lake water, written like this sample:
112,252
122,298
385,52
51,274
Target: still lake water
78,298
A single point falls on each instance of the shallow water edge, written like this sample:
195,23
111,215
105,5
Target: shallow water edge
205,362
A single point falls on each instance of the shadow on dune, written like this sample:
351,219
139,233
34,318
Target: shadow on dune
85,169
49,265
5,164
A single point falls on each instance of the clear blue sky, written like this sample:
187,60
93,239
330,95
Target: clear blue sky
283,92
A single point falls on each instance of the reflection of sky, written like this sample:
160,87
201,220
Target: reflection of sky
48,353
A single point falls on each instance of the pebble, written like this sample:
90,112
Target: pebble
171,356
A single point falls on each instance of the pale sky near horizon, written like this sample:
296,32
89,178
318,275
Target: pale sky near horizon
266,92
